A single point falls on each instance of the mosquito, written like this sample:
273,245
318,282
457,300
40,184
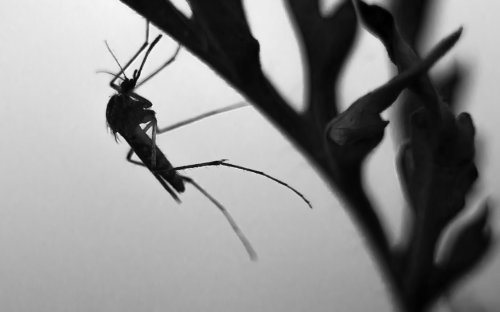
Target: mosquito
223,162
127,111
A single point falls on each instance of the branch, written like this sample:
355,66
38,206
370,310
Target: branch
437,171
326,50
219,34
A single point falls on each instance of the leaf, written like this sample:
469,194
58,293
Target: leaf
362,119
471,244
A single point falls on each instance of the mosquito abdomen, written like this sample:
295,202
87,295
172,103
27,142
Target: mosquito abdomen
141,144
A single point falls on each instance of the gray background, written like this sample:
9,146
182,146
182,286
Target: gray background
83,230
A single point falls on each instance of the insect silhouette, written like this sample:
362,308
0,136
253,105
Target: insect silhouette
127,111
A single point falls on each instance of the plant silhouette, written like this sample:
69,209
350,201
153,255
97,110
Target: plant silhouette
436,157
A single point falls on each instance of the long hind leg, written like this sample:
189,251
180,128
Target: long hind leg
154,124
246,243
225,164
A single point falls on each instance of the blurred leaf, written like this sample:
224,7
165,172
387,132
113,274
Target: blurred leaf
362,119
464,254
471,244
410,16
450,84
326,42
228,30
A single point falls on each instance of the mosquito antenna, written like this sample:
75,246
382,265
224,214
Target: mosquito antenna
122,71
168,62
146,56
109,73
246,243
223,162
136,55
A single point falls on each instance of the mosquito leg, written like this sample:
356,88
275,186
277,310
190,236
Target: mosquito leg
167,188
204,164
137,74
157,176
135,162
181,124
153,143
144,45
223,162
203,116
246,243
269,177
153,123
168,62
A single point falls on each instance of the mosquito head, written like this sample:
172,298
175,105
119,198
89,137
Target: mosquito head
128,85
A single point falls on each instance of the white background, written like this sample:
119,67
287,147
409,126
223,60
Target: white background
83,230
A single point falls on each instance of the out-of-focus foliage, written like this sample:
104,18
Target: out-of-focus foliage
435,161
